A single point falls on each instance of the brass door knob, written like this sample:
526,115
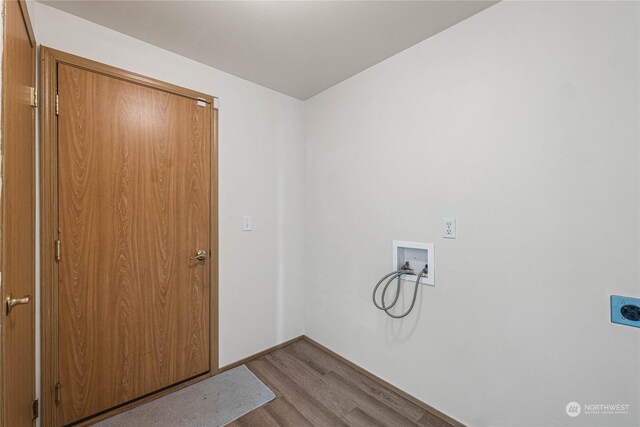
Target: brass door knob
12,302
201,255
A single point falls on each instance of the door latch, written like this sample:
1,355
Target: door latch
201,255
12,302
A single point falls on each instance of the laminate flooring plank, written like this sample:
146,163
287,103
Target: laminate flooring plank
367,403
306,403
286,414
310,380
359,418
324,362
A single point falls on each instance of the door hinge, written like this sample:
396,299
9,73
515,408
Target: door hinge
34,97
35,407
58,250
216,103
58,393
57,106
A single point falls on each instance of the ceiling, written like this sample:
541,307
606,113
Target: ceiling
299,48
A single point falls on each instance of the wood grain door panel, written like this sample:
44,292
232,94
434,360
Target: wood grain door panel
134,206
18,218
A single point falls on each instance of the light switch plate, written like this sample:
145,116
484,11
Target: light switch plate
618,303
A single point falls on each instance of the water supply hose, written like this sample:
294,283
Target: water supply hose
390,277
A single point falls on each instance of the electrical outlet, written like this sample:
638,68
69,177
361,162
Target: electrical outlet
625,310
246,223
449,228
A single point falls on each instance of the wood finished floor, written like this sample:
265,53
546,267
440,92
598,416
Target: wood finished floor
313,388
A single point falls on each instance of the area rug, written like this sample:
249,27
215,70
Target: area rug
213,402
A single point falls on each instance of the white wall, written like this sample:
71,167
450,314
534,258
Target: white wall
521,122
261,167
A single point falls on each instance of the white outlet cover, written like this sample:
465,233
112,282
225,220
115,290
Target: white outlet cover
247,223
449,228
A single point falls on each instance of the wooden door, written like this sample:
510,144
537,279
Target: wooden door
134,207
18,218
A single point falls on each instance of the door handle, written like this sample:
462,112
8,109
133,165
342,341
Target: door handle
201,255
12,302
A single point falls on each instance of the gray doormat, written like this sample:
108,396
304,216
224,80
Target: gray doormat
210,403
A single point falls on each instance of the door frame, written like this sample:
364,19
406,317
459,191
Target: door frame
3,253
49,60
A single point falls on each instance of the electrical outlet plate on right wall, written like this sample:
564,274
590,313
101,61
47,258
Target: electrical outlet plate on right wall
624,310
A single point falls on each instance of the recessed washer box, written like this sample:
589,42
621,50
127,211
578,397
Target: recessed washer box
417,254
625,310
